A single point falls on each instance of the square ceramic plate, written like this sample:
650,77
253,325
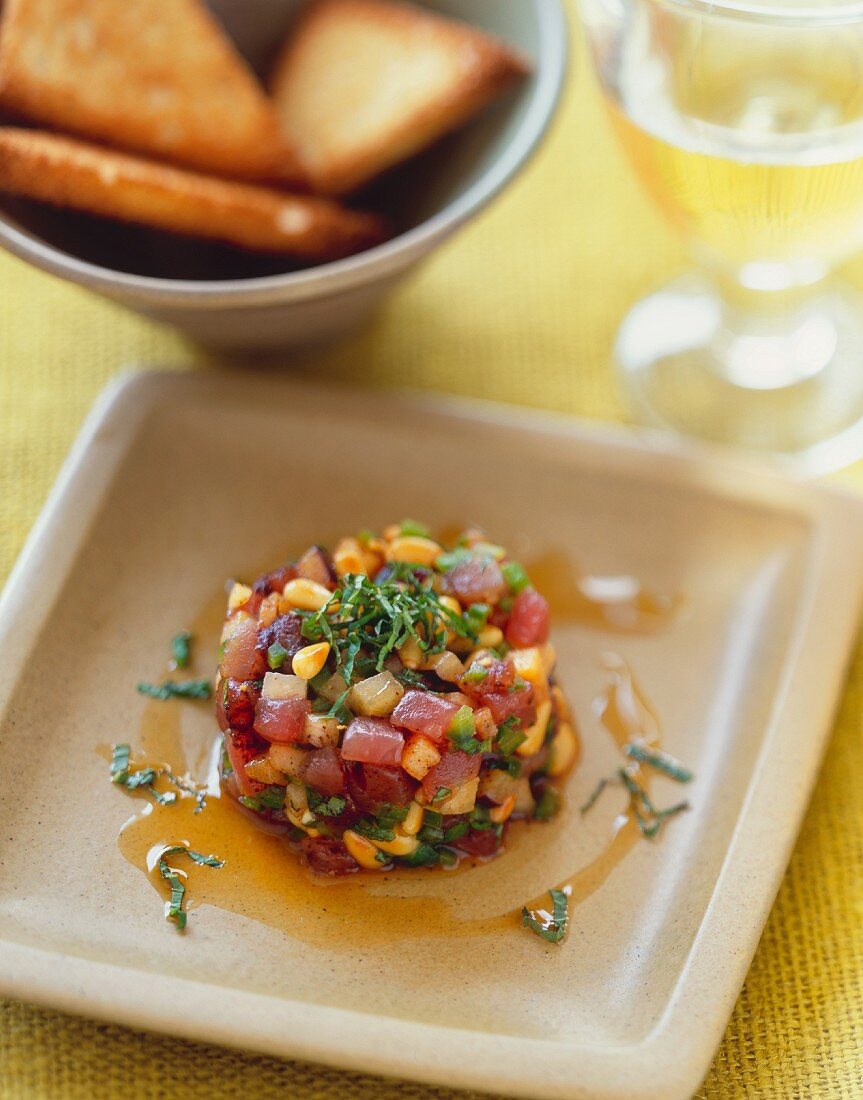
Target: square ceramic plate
179,482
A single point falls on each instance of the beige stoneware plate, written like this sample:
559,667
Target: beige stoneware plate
179,482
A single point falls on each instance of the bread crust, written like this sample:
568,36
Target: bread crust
307,72
159,77
67,172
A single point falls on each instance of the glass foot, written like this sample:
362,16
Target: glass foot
786,383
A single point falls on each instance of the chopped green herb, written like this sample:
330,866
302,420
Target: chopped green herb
389,815
475,674
422,856
174,910
463,724
480,819
409,678
441,793
449,559
412,527
551,926
510,735
547,805
145,778
515,576
276,656
597,791
142,779
448,857
188,689
366,622
661,761
460,828
181,649
325,807
476,617
373,831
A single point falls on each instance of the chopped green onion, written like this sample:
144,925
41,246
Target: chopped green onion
475,674
442,793
422,856
181,649
510,735
515,576
551,926
412,527
276,656
548,804
460,828
463,724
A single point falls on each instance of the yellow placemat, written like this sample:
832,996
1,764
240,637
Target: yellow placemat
522,307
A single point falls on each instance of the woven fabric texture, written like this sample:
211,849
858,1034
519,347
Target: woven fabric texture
521,307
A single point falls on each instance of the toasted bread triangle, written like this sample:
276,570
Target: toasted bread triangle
364,84
157,76
70,173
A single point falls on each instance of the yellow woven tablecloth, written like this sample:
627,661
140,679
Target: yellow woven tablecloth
521,307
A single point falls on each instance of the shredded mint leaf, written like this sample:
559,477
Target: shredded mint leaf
661,761
551,926
597,791
145,778
171,689
324,807
181,649
174,910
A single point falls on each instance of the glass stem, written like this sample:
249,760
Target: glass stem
772,339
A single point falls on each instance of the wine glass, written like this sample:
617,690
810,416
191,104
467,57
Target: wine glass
744,121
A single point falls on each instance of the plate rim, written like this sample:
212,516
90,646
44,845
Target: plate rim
670,1061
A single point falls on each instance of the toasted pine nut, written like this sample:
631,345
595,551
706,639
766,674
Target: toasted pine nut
565,749
410,654
401,846
363,851
536,732
310,660
348,557
414,549
500,813
490,636
305,595
414,821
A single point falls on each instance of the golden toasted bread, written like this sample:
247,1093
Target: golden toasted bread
71,173
364,84
155,76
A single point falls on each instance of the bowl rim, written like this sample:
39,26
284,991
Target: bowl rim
354,271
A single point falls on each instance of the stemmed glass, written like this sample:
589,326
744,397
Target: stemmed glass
744,122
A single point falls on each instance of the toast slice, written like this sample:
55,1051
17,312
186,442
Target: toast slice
70,173
155,76
363,84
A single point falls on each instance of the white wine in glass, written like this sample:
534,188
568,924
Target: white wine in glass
745,124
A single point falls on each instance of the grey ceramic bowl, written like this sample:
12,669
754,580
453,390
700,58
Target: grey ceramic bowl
224,298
